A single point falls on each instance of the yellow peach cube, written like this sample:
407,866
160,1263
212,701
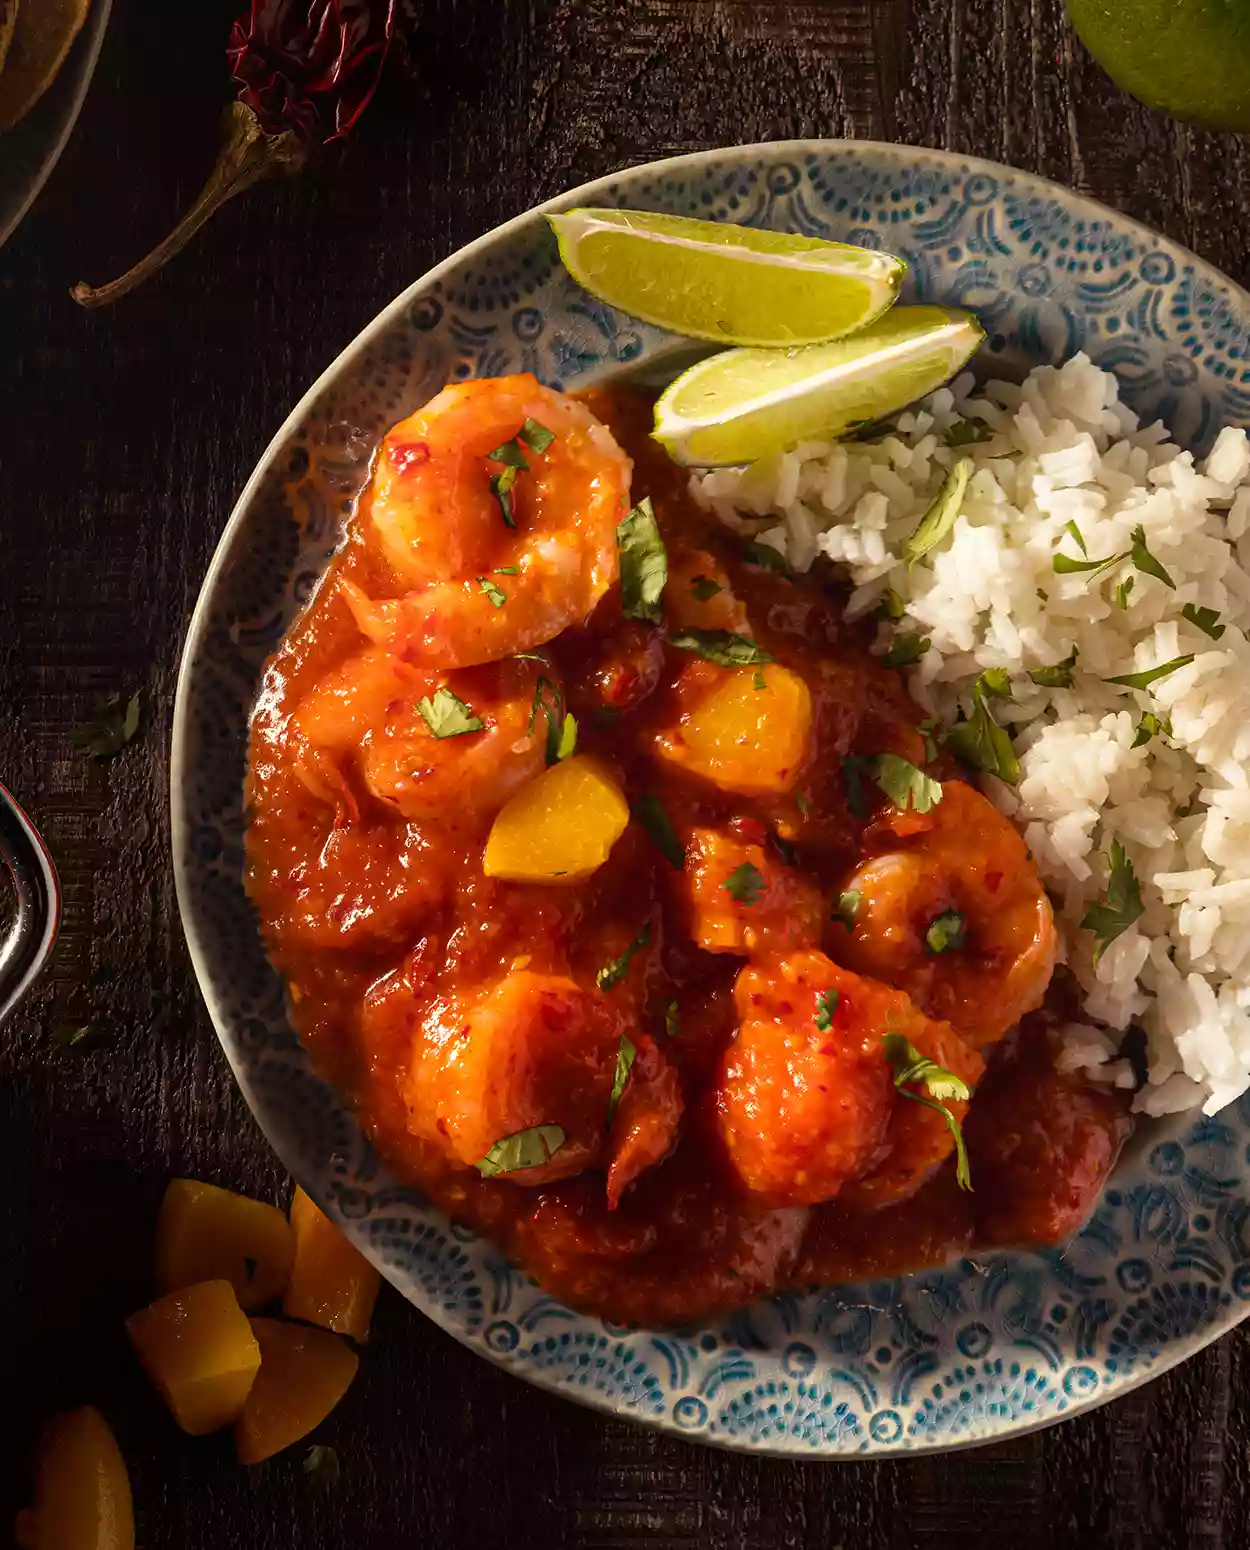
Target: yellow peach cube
198,1348
82,1490
559,828
750,734
303,1375
332,1283
208,1234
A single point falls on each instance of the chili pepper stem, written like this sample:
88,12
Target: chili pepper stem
248,154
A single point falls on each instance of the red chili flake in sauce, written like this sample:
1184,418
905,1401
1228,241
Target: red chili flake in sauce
407,454
992,881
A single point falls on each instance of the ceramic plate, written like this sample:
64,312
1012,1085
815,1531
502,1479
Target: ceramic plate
978,1350
30,150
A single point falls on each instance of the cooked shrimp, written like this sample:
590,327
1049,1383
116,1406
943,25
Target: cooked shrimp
535,1049
805,1093
335,718
463,779
741,898
700,596
365,716
645,1127
492,572
993,959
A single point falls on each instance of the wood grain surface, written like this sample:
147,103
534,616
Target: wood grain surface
124,437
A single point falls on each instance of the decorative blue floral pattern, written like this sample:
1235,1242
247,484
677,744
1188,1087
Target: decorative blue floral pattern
981,1348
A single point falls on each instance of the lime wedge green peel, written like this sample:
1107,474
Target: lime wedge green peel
740,405
731,284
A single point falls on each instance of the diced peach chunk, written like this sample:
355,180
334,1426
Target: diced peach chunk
82,1490
750,734
208,1234
198,1348
303,1375
560,827
332,1283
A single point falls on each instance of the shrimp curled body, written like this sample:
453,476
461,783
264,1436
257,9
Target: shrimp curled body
475,587
969,864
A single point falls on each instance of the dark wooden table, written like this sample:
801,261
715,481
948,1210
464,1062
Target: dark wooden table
124,437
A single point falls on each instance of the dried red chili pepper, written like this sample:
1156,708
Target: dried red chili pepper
304,71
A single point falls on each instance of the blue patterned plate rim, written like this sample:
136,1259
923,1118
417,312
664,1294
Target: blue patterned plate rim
755,1366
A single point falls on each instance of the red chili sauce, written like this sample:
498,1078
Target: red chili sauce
760,1140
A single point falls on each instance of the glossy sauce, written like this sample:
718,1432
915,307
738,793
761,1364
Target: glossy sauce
375,922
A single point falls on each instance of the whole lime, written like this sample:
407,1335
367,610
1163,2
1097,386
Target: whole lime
1189,58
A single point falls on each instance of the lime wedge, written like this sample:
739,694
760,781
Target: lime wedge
739,405
732,284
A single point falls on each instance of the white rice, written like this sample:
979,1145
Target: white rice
1065,449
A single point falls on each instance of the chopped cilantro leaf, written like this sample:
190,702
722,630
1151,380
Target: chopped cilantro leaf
1150,726
995,683
113,726
720,646
651,814
968,433
826,1006
1078,539
510,455
1207,619
846,907
644,563
1065,565
946,932
513,459
853,781
532,1148
493,591
980,741
903,783
535,436
891,605
1144,561
766,557
937,522
1151,675
1057,677
1121,593
321,1463
561,738
759,681
906,649
626,1054
446,716
613,973
1123,902
910,1068
745,884
671,1026
703,588
69,1035
501,488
